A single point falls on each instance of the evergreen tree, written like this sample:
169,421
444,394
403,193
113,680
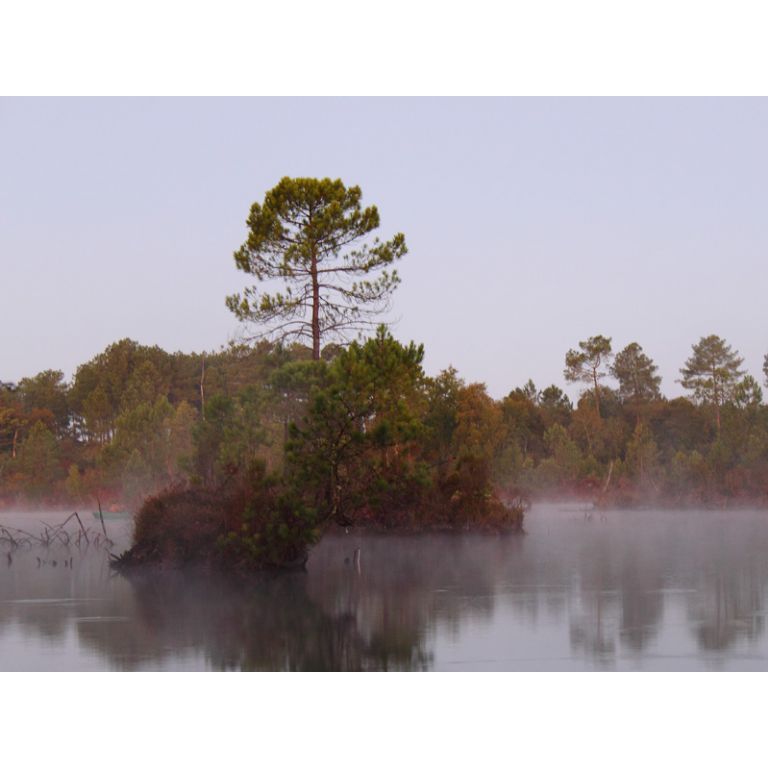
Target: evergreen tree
359,425
38,462
636,374
441,416
314,236
586,364
712,373
555,406
46,391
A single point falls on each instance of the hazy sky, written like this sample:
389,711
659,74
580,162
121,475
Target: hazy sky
531,224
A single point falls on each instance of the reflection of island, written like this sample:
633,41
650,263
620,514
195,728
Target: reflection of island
271,624
366,604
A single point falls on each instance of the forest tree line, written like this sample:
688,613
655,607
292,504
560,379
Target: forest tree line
381,437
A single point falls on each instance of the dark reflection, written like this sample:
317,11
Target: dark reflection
365,604
728,609
619,600
270,624
589,635
642,604
641,590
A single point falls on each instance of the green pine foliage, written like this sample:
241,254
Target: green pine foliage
313,239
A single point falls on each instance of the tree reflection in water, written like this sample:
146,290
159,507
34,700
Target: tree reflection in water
269,624
641,590
367,603
728,608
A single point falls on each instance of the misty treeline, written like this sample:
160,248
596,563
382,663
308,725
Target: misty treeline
369,430
364,420
257,446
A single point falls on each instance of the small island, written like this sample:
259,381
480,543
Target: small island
359,445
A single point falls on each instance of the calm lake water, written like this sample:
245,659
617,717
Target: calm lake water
639,590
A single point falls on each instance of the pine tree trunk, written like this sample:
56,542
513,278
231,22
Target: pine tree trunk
315,311
597,392
202,391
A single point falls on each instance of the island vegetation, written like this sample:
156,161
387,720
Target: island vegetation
245,455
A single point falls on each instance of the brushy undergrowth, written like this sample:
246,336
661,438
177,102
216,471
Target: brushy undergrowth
258,523
248,525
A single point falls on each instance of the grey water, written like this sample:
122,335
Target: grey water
630,590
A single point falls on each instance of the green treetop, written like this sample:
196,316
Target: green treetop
587,364
46,391
314,237
712,373
636,374
363,417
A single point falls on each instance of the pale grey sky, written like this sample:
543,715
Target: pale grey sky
531,223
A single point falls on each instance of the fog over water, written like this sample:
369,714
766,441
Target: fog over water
639,590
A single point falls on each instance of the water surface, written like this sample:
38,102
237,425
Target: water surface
638,590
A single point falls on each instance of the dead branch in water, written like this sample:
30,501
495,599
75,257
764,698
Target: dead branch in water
55,535
101,517
22,537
